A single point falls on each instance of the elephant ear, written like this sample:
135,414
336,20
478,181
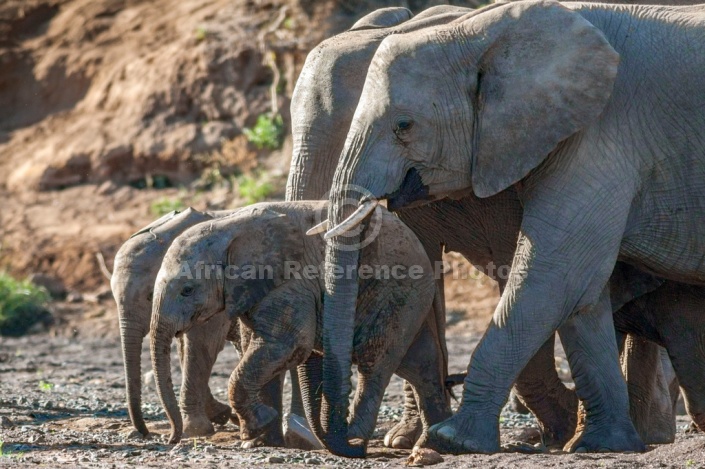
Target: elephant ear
544,74
264,243
382,18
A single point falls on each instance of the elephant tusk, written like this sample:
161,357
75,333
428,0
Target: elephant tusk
320,228
353,220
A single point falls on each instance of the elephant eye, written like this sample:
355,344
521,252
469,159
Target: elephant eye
187,290
403,124
150,295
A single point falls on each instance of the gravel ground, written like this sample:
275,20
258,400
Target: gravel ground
61,404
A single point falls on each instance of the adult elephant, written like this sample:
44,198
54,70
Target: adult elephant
322,108
605,159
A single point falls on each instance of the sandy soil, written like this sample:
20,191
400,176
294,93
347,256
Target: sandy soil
61,404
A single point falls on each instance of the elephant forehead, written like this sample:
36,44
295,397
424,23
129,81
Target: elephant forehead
414,51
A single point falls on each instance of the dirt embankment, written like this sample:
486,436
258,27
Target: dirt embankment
106,99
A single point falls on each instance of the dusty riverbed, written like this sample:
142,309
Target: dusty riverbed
61,404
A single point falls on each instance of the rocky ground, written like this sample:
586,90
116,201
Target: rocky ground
61,403
118,107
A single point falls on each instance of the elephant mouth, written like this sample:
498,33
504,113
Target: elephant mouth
411,192
188,326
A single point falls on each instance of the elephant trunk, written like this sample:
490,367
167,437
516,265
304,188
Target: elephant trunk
160,343
313,162
131,338
310,379
339,307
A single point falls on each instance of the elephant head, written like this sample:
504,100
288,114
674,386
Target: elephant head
322,109
229,264
329,87
473,105
135,269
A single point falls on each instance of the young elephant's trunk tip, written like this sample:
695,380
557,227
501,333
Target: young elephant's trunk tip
161,351
131,338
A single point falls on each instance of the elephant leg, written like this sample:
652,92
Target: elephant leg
424,369
371,383
684,337
405,433
591,346
218,412
297,405
297,432
516,405
650,405
541,390
271,434
201,346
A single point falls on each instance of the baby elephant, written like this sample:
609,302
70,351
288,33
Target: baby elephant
135,269
258,265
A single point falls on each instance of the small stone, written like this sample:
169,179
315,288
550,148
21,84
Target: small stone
210,449
275,460
312,461
5,422
423,457
48,405
181,447
148,379
74,297
134,434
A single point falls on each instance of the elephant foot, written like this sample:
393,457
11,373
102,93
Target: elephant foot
692,428
297,434
516,406
218,413
465,433
660,433
261,427
612,437
269,435
404,434
197,425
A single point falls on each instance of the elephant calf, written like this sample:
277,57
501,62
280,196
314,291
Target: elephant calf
135,269
258,265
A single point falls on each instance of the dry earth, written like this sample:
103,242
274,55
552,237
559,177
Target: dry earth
61,405
100,97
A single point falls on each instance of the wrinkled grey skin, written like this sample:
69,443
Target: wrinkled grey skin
135,269
322,107
532,95
484,231
681,331
395,325
136,266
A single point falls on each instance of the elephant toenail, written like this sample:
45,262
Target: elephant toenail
446,432
581,449
402,442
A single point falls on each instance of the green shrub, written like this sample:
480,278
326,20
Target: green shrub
267,132
254,188
201,33
22,304
46,386
165,205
